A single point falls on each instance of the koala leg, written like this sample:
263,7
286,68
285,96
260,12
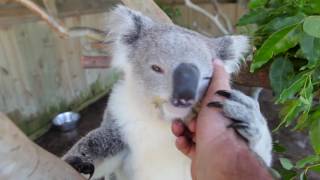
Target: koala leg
247,121
93,149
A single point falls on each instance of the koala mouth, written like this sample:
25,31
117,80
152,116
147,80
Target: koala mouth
170,112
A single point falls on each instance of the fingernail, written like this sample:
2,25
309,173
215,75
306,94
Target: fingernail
215,104
224,93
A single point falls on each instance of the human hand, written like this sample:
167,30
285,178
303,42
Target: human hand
215,150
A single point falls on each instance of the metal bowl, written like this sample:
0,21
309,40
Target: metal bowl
66,121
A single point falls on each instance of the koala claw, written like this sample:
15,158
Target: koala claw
215,104
239,126
244,112
224,93
80,166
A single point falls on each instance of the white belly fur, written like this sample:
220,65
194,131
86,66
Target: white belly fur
152,152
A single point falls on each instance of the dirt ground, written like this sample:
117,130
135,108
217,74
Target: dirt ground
297,144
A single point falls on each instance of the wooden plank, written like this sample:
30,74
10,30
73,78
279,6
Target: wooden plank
95,62
16,14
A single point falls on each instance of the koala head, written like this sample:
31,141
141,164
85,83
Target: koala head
167,64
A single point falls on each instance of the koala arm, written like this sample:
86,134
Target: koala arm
102,143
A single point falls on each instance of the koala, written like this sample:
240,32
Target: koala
165,72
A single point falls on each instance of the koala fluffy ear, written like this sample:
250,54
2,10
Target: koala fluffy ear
230,49
126,25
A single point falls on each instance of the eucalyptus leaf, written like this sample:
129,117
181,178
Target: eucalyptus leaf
314,135
315,115
278,42
311,26
280,74
307,160
315,168
290,111
254,16
257,3
280,22
287,174
275,173
286,163
310,47
306,95
292,89
312,7
278,148
302,121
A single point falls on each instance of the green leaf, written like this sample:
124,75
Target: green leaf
278,148
310,47
278,42
280,74
302,121
306,95
279,23
287,174
290,111
302,176
275,173
308,160
315,168
257,3
315,115
314,134
312,26
252,17
286,163
292,89
312,7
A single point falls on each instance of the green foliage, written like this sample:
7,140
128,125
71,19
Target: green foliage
287,38
281,72
311,26
286,163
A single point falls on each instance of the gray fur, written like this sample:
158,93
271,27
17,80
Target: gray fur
100,143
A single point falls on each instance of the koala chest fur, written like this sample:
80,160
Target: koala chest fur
152,153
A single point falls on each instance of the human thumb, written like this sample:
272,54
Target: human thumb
220,80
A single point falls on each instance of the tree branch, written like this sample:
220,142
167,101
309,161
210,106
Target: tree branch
213,18
20,158
226,19
59,28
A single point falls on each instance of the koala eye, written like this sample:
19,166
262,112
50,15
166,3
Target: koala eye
157,69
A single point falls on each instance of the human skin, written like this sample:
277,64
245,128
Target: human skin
216,151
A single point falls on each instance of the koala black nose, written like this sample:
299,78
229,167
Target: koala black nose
185,85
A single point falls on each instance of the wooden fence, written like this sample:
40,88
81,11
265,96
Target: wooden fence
41,74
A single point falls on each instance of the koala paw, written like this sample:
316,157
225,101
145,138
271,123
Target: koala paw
247,121
82,167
